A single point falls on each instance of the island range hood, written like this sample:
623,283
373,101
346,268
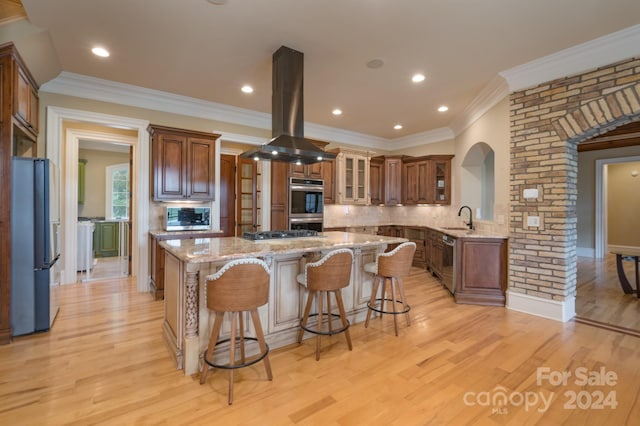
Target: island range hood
287,118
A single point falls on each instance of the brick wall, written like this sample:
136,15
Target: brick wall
547,122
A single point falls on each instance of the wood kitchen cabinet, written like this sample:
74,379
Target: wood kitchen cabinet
426,180
481,271
183,164
434,252
352,175
385,180
19,123
156,255
329,178
279,195
306,171
26,100
418,236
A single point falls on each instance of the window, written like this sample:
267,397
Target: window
117,191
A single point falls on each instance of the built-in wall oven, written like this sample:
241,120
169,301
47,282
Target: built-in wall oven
306,204
449,262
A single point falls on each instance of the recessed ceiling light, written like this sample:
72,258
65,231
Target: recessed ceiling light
398,126
417,78
247,89
336,111
100,51
375,63
443,108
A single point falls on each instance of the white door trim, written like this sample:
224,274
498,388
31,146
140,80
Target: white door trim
601,201
55,143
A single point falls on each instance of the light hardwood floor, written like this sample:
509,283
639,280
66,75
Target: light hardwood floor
104,362
600,299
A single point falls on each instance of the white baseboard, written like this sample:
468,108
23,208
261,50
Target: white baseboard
585,252
552,309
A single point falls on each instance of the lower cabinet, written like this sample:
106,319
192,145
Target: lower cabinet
157,256
434,252
417,235
481,271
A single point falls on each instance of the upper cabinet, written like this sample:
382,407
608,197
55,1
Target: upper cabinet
385,180
329,178
427,180
25,101
183,164
352,172
308,171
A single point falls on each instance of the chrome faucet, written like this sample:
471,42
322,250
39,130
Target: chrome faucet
470,224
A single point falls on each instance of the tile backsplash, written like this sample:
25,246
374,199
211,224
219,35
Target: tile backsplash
336,216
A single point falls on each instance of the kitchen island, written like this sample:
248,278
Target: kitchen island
187,322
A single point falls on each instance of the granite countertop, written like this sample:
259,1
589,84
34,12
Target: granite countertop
202,250
461,232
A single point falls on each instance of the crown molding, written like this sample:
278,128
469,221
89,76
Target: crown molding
240,138
83,86
495,91
602,51
424,138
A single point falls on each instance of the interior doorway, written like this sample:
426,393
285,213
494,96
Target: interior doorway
61,149
104,209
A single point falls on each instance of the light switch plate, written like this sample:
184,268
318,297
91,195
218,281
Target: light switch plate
533,221
530,193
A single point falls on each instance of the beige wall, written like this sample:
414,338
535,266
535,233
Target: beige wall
585,204
95,179
492,129
623,204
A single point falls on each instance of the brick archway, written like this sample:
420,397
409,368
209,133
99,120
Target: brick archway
547,123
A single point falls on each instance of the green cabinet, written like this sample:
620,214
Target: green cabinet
82,164
106,239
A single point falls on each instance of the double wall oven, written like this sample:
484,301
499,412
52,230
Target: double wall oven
306,204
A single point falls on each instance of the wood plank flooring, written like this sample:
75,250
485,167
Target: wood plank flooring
600,299
104,362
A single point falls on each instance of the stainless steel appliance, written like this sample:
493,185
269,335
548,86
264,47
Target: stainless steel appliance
187,218
270,235
306,204
449,262
287,114
34,245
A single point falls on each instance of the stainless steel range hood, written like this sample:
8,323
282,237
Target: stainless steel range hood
287,115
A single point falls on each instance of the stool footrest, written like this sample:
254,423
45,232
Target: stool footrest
406,309
259,357
326,333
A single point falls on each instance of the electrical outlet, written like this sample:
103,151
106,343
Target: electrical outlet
530,193
533,221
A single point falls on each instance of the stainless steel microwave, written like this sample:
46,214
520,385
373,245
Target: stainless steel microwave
187,218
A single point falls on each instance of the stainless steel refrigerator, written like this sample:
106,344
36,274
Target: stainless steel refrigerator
34,245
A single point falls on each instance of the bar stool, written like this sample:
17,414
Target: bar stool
390,266
240,286
328,275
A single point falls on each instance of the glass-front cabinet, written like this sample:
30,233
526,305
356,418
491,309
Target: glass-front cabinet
440,169
353,177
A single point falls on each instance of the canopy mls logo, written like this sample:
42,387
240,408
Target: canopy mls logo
500,398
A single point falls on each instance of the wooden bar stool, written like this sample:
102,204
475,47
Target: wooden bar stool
391,267
240,286
328,275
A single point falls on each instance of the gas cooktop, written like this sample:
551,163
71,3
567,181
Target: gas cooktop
270,235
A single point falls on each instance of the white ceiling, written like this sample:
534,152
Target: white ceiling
205,51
